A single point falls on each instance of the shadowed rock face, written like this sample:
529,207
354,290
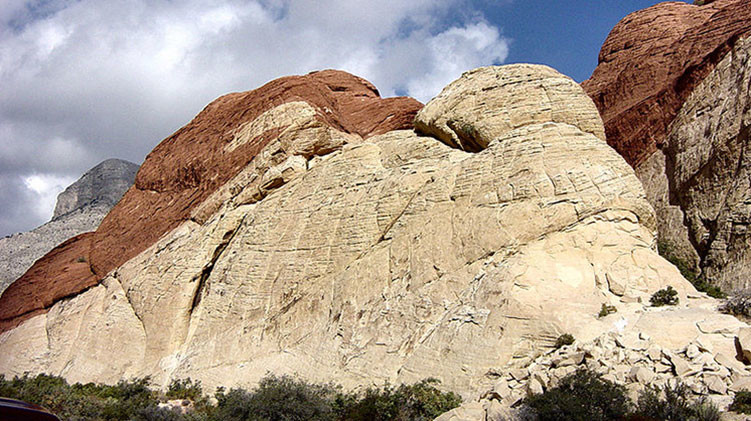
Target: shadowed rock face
672,89
391,257
185,169
80,208
651,62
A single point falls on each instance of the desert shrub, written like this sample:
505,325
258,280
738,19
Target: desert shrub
563,340
155,413
420,401
185,389
738,305
606,309
583,395
741,402
277,398
664,297
81,401
674,403
667,251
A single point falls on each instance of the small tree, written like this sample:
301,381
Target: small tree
581,396
563,340
664,297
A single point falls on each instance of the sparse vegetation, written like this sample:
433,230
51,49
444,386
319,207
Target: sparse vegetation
563,340
664,297
738,305
667,251
81,259
275,398
742,402
674,403
606,310
585,395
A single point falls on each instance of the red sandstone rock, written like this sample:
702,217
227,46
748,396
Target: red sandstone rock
62,272
184,169
651,62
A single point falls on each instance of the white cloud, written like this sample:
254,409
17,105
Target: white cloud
87,80
44,189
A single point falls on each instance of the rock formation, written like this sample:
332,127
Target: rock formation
308,229
102,185
248,135
80,208
672,86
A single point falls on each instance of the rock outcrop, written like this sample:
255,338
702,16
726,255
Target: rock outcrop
79,209
361,253
249,134
672,87
103,185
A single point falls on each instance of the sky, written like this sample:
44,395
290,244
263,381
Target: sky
82,81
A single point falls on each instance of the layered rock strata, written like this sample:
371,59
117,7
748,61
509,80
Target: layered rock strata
392,258
79,209
250,134
672,87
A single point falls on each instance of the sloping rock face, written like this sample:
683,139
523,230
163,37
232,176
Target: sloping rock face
79,209
666,75
104,184
251,132
389,258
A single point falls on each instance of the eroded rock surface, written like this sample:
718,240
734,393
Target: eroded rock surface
80,208
709,168
396,257
304,115
672,86
102,185
650,63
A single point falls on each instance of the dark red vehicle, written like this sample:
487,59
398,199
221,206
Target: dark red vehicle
13,410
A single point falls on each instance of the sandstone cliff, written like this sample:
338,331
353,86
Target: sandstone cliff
672,86
80,208
316,233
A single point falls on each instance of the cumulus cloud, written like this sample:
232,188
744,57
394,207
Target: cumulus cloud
86,80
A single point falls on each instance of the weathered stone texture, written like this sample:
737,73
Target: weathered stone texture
396,258
672,87
709,168
104,184
650,63
187,168
80,208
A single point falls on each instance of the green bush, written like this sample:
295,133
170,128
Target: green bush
742,402
277,398
185,389
606,310
738,305
664,297
563,340
674,403
581,396
420,401
81,402
667,251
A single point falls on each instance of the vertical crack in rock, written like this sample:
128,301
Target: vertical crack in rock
130,303
206,272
